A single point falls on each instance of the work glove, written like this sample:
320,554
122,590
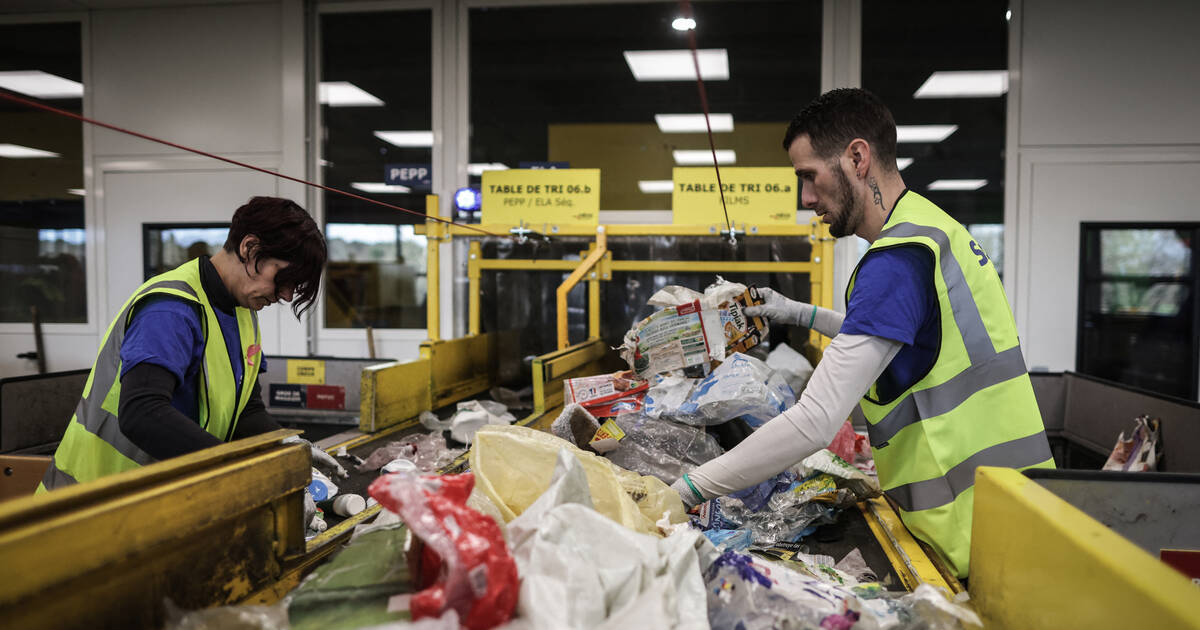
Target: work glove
320,458
686,494
780,310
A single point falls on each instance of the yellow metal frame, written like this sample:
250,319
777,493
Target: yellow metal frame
909,558
1039,562
204,529
597,265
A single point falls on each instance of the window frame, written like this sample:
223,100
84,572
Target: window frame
94,259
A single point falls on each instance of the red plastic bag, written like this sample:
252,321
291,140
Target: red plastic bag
464,563
843,443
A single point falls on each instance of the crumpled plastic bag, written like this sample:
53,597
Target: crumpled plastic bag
847,476
427,450
464,564
661,448
579,569
741,387
513,466
472,414
792,366
272,617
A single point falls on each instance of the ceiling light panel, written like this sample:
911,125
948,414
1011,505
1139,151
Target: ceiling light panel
704,156
924,133
677,65
407,138
379,187
40,84
18,151
964,84
478,168
693,123
655,186
957,184
902,163
345,94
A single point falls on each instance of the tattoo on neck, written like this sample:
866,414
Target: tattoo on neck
875,191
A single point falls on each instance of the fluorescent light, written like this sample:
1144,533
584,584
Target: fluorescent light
924,133
1008,15
77,191
693,123
683,24
704,156
902,163
677,65
379,187
477,168
957,184
407,138
964,84
345,94
652,186
18,151
40,84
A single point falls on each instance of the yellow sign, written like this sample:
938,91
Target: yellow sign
306,371
564,196
754,195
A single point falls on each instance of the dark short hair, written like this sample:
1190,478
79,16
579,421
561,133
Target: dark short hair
838,116
285,232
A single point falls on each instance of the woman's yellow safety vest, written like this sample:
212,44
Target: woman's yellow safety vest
974,408
93,445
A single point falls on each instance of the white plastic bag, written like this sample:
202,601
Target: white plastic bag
579,569
741,387
473,414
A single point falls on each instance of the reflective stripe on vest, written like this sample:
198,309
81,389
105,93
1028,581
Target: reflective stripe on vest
975,406
93,445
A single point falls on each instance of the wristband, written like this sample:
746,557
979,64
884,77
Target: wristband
699,497
812,319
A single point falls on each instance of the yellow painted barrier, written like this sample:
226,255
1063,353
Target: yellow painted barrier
1039,562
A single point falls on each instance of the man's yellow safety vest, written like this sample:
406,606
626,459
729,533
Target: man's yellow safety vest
93,445
974,408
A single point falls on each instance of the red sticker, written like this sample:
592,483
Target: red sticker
250,352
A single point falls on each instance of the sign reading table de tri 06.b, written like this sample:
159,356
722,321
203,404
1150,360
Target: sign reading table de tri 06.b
562,196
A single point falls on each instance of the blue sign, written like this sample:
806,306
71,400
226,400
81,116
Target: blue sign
544,165
415,176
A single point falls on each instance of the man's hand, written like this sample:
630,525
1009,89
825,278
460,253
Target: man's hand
686,493
781,310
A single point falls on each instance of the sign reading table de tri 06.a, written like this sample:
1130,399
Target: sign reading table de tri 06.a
561,196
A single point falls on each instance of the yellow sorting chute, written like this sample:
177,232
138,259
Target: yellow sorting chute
513,466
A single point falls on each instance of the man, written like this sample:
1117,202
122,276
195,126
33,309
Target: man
178,368
928,341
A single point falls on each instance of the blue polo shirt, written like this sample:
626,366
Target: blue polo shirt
894,297
165,331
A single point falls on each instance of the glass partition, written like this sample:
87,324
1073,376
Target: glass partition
43,247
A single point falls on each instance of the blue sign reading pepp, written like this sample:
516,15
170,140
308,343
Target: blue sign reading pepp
415,176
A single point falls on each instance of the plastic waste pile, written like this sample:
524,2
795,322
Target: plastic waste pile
570,546
787,507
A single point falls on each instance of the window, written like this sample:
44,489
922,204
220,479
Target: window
43,251
552,84
375,95
941,67
165,246
1138,319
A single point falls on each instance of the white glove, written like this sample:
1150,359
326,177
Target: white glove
782,310
686,494
779,309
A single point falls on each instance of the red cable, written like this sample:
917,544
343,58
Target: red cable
687,13
63,112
